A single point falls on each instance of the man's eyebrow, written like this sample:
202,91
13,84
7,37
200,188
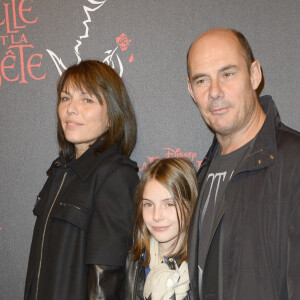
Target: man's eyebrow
196,76
223,69
228,67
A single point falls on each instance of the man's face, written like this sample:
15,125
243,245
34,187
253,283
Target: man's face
221,84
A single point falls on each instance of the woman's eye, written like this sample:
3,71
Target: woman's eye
64,98
170,204
88,100
147,204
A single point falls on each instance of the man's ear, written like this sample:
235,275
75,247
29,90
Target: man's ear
190,88
255,74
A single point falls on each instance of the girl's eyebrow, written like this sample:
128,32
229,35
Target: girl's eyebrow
166,199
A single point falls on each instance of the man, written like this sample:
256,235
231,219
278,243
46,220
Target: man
244,239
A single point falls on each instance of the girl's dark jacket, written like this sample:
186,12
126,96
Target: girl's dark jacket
84,224
133,287
261,218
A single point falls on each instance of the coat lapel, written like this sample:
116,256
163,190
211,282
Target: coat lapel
193,240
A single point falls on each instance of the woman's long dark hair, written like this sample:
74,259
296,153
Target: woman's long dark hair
98,78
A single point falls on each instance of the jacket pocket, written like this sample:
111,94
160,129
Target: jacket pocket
72,213
39,206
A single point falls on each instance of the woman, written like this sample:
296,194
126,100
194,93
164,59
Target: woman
157,265
84,211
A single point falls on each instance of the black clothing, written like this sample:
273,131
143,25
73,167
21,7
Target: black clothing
133,287
104,282
261,219
218,176
135,278
84,217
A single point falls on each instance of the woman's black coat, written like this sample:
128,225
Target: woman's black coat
84,217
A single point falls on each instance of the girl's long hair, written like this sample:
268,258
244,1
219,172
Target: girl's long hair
178,176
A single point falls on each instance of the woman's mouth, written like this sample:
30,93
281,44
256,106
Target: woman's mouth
72,124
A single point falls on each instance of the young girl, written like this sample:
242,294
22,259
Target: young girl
157,265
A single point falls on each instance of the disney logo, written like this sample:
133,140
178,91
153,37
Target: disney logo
173,153
177,153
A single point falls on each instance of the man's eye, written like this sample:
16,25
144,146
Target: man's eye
228,74
200,81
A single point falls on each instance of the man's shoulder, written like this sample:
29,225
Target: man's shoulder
288,143
288,136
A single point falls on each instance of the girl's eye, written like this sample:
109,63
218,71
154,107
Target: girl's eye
147,204
88,100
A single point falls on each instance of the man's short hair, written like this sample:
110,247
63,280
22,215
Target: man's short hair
245,47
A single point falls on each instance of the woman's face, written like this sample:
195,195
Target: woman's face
159,214
83,118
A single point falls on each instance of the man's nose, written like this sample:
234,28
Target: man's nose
215,90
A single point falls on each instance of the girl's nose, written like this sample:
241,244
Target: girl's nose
157,215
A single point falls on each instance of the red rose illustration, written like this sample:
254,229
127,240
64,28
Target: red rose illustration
123,41
131,58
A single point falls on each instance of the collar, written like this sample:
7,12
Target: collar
264,151
90,159
85,165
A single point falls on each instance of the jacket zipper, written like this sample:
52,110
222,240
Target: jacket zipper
43,236
64,204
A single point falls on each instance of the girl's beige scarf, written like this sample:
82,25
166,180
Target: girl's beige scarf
162,283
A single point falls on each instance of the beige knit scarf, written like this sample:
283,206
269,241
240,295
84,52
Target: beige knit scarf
162,283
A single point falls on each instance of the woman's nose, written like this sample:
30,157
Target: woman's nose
72,107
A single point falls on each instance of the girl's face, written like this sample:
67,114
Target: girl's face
159,214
